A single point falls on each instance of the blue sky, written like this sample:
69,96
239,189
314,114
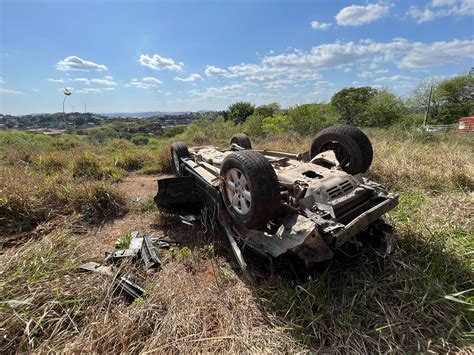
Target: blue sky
125,56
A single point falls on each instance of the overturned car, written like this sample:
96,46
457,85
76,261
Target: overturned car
276,202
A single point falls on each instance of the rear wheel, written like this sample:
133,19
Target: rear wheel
250,188
241,140
352,147
178,150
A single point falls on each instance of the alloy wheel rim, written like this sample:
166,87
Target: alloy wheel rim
238,191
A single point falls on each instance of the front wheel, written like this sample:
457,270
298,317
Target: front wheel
178,150
249,188
351,146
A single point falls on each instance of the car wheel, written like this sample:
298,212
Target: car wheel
178,150
249,188
352,147
241,140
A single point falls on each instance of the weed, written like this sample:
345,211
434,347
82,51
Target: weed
185,252
124,241
86,165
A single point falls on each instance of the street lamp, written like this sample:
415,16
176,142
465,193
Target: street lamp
66,94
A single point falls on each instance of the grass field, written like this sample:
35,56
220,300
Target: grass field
66,200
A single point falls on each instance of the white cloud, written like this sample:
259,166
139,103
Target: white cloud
192,77
356,15
220,92
371,74
399,51
81,80
145,83
436,3
158,62
316,25
94,90
57,80
395,78
441,8
79,64
422,15
424,55
12,92
2,81
215,71
106,81
152,80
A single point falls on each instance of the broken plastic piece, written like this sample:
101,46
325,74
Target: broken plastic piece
130,288
148,254
92,266
120,254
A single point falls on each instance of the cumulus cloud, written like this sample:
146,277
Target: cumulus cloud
394,78
75,63
145,83
152,80
399,51
192,77
316,25
215,71
441,8
158,62
220,92
356,15
108,80
12,92
371,74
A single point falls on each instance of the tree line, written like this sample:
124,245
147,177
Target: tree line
366,106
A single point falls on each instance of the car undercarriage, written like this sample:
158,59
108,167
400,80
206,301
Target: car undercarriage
308,204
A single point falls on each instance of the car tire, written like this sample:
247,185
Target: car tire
249,188
178,150
241,140
352,147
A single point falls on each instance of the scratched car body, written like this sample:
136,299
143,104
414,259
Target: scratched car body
308,204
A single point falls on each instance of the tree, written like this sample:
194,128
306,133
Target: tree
267,110
277,124
384,109
420,96
351,103
239,111
310,118
456,98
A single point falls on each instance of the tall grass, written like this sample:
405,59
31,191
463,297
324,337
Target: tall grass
419,299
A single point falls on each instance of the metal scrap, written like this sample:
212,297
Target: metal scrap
130,288
119,255
148,254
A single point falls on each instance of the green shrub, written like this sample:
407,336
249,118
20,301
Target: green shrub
86,165
139,139
98,201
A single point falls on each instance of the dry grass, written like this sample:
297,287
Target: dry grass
418,299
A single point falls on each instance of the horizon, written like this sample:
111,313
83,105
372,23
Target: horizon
188,56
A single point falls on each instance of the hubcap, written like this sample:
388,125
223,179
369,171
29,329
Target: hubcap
238,191
176,162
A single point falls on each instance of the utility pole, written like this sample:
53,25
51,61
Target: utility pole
425,120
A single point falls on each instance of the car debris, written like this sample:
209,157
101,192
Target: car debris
119,255
148,255
128,287
308,204
92,266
